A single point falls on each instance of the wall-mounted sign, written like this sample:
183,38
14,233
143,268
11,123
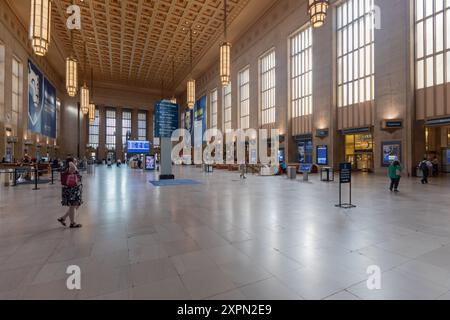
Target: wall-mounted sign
166,119
322,155
322,133
392,124
355,130
391,151
12,139
438,122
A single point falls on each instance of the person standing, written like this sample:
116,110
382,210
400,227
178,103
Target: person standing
71,192
435,164
425,168
395,173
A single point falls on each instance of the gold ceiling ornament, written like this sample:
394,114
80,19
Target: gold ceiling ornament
317,10
71,73
191,81
40,25
225,53
92,104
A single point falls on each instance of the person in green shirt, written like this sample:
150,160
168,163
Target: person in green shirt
395,173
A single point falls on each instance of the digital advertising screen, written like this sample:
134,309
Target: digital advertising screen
138,147
150,163
391,152
322,155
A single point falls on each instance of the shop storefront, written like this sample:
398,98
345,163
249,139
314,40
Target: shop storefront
359,148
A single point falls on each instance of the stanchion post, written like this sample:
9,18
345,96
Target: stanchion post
52,176
36,177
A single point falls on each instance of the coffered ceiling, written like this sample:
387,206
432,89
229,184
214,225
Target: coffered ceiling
135,41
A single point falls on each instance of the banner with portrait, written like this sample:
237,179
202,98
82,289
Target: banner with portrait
41,103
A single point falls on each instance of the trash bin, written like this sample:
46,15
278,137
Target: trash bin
305,176
8,177
326,174
292,173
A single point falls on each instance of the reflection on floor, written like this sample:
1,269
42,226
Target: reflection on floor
262,238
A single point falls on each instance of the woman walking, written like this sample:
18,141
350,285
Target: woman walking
395,173
71,192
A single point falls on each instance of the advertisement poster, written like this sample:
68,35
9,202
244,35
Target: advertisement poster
305,151
41,103
200,114
187,124
391,152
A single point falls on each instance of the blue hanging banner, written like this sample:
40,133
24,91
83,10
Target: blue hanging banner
166,119
41,103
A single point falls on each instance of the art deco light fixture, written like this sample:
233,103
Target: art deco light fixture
84,93
173,99
225,52
84,99
191,81
71,76
40,22
71,73
318,12
92,104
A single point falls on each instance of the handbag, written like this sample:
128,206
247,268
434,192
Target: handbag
398,172
72,180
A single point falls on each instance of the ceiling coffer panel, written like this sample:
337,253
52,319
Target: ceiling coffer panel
136,40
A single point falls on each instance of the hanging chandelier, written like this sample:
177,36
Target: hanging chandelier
318,12
191,81
71,73
92,104
40,22
84,93
91,113
84,99
173,99
225,52
71,76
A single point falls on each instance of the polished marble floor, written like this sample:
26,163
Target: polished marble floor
262,238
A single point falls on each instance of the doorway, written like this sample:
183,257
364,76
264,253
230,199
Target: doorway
359,151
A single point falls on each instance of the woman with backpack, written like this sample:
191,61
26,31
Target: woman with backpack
395,173
71,192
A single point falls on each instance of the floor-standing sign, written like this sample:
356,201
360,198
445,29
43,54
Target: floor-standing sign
166,122
345,177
